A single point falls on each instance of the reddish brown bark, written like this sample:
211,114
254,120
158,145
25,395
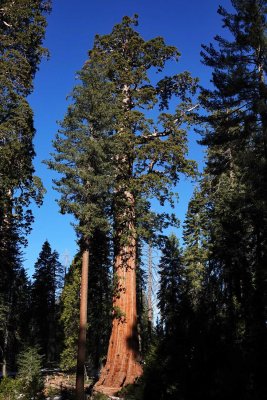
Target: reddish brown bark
82,327
122,366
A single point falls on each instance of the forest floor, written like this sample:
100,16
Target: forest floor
59,385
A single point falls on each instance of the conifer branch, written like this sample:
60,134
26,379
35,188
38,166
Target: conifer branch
166,132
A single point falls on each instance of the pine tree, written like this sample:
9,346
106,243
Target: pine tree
195,236
22,28
14,311
165,374
202,307
29,373
171,273
47,280
236,139
69,316
99,300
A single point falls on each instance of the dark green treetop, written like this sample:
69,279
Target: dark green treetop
239,73
110,144
46,287
236,136
22,29
171,283
196,237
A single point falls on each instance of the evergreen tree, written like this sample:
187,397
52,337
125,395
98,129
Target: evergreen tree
15,316
166,371
47,280
114,158
236,140
83,160
69,315
22,28
99,306
99,300
171,271
144,324
195,236
29,373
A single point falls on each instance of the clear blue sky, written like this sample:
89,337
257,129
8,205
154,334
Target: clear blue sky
70,34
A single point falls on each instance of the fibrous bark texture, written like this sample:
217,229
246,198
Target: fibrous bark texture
122,366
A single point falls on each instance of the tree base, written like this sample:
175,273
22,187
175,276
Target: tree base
111,384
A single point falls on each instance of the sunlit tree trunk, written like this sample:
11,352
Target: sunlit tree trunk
81,355
4,363
122,366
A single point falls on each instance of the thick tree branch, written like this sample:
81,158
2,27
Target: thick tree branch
166,132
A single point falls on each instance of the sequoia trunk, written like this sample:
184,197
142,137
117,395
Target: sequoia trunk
122,365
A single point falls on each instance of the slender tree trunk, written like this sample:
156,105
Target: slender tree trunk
122,366
149,290
4,364
81,355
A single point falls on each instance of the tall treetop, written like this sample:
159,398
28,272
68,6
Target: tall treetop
111,114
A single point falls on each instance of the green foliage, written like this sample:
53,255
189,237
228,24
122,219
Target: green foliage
47,282
196,236
10,389
166,363
224,306
100,396
29,383
29,373
15,315
237,165
70,315
108,147
118,314
171,273
22,30
99,306
99,299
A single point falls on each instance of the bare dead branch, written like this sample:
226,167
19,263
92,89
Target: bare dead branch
6,24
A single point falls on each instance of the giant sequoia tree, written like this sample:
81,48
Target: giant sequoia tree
148,156
128,158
